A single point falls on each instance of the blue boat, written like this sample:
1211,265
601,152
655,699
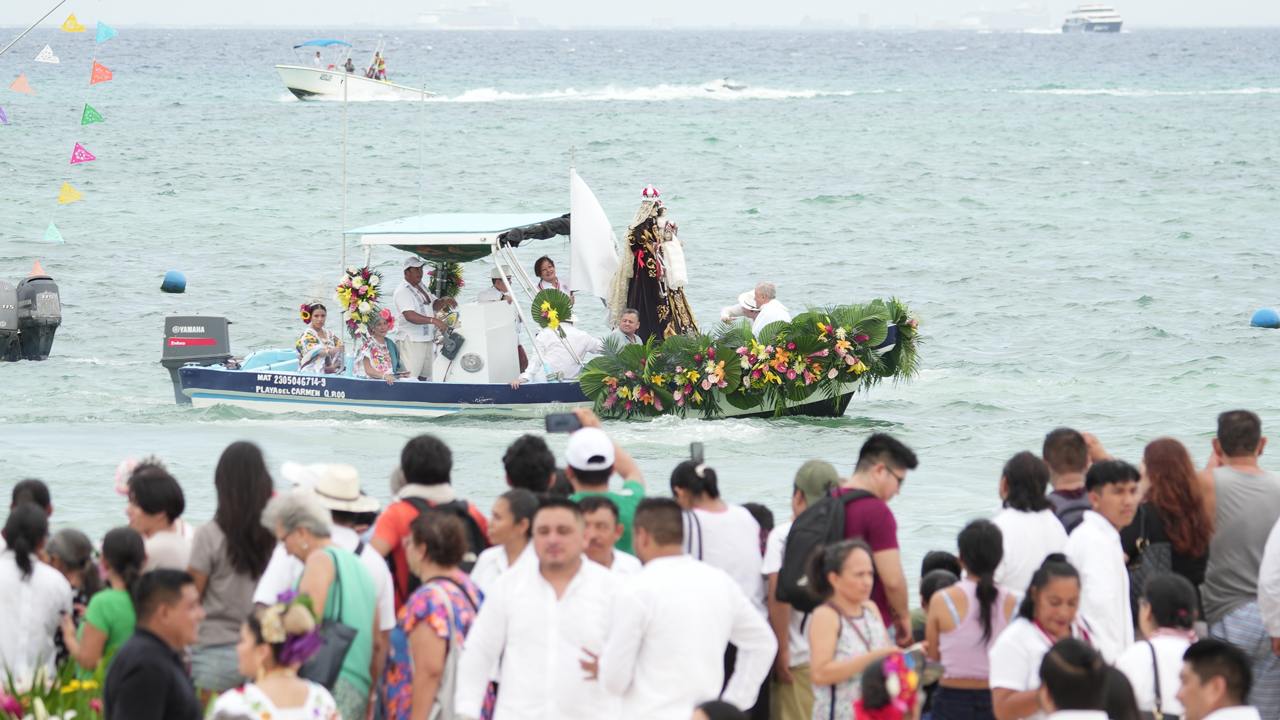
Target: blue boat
477,381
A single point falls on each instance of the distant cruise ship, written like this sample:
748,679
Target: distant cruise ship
1093,18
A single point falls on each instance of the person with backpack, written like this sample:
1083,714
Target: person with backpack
791,693
858,509
426,463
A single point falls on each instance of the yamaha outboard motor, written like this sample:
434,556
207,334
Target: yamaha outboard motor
193,340
10,349
39,315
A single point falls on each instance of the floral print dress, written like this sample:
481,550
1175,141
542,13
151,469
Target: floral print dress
448,607
247,701
377,354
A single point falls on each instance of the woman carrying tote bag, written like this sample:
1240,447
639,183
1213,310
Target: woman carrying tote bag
343,596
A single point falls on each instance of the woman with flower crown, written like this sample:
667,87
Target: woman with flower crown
319,351
653,280
377,358
274,642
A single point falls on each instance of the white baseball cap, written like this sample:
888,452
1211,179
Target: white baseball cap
589,449
413,261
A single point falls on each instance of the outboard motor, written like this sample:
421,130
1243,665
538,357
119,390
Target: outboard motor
10,349
193,340
39,314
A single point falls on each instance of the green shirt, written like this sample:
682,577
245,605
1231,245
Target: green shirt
627,499
357,606
111,611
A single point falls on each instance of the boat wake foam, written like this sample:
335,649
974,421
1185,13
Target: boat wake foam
1130,92
715,90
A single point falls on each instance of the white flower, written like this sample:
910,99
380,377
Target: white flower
358,282
373,280
840,333
364,306
351,270
362,329
893,686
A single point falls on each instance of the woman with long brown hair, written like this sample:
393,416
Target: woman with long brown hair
1173,512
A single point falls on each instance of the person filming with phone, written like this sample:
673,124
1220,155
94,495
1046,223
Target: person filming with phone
592,459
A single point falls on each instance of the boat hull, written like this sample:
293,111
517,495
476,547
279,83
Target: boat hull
1092,27
291,392
310,83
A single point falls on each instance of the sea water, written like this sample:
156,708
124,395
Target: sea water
1082,223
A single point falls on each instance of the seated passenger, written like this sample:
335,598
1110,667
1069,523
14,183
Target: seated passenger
377,358
563,348
350,67
320,352
628,325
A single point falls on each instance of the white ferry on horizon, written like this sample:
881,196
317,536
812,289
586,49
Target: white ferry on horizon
1093,18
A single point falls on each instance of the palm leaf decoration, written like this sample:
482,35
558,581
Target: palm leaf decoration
822,354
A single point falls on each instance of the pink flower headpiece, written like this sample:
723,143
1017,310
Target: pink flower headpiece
386,314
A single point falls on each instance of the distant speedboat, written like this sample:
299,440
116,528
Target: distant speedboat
724,84
1093,18
325,78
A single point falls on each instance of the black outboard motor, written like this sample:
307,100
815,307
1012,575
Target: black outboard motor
10,349
39,315
193,340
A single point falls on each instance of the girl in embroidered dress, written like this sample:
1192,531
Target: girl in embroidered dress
846,632
274,642
376,360
319,351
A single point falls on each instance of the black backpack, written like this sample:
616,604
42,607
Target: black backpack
476,540
821,524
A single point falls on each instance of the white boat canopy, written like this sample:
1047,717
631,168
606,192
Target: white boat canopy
448,237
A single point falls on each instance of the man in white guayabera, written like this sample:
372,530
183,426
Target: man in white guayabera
416,323
771,309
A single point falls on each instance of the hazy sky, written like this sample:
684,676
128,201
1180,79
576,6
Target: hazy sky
644,14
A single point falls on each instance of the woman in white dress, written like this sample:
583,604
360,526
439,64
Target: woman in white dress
274,642
319,351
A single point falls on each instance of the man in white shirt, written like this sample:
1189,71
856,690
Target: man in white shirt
545,621
1216,680
564,356
791,696
416,323
671,623
1094,549
771,310
604,530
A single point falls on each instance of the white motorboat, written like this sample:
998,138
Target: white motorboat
1093,18
337,78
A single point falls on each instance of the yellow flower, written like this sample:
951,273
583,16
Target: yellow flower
545,306
624,392
73,686
553,319
657,379
693,376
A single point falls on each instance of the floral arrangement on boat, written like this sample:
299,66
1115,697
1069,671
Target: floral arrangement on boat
358,295
451,282
821,353
550,308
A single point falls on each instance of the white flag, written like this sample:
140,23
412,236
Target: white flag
592,244
46,56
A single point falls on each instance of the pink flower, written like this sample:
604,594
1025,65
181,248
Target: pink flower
742,351
679,369
706,383
711,352
832,373
791,374
10,704
791,346
697,357
657,403
630,375
861,338
627,407
611,400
